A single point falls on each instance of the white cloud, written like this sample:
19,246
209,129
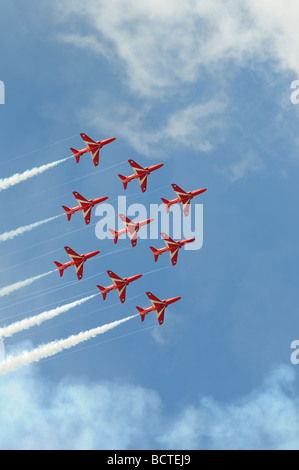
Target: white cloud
192,126
161,48
245,166
72,415
39,415
266,419
83,42
180,60
278,30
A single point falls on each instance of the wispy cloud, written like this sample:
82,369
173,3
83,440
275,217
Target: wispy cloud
161,48
245,166
193,125
268,418
179,60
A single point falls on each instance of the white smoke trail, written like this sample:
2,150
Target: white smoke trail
26,228
21,325
19,177
27,357
19,285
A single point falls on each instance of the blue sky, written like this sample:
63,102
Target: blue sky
204,89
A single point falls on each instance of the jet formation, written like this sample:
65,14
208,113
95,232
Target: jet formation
131,228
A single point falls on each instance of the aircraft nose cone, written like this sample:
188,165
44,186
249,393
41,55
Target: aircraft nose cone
175,299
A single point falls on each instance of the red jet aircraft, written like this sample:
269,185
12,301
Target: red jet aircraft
140,173
119,284
93,147
183,197
76,260
85,205
158,305
132,228
171,246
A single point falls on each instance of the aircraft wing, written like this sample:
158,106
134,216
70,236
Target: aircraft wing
160,315
179,191
143,182
137,168
80,199
119,284
141,173
173,248
174,255
85,205
89,142
159,306
186,206
86,214
132,229
125,220
93,147
154,300
114,278
133,234
77,260
122,292
95,153
79,269
184,197
171,244
73,255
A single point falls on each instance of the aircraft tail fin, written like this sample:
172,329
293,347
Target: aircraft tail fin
103,291
77,154
68,212
114,234
141,310
60,268
155,252
167,204
124,181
